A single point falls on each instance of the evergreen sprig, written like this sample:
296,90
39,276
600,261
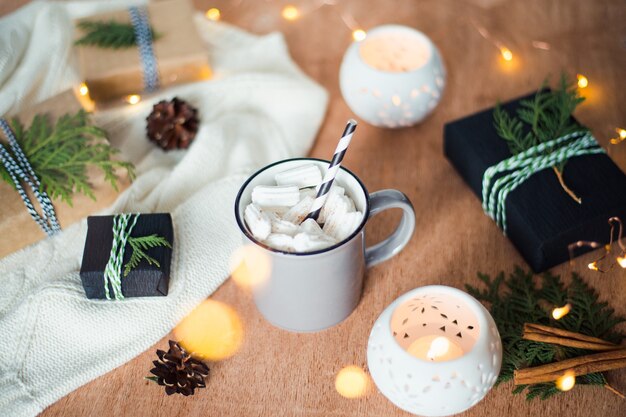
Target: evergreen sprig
540,119
109,34
522,298
545,117
61,154
139,246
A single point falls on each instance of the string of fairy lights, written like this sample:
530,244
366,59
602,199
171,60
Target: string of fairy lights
605,262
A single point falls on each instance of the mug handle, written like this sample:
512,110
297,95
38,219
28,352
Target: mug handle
383,200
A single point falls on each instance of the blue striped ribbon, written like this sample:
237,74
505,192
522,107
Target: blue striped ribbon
20,170
123,225
518,168
143,35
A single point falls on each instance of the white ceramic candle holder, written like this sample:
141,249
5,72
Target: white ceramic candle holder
435,351
393,78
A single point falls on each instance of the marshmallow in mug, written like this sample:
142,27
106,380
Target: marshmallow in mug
277,213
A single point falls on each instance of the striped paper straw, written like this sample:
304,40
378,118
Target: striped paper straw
332,170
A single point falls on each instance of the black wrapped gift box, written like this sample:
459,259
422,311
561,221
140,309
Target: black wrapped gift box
143,281
542,220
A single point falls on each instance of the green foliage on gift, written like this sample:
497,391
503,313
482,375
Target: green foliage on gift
543,118
109,34
61,153
139,247
520,299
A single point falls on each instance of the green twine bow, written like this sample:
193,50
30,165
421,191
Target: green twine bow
113,270
525,164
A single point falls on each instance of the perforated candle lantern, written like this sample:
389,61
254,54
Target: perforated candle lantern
393,78
435,351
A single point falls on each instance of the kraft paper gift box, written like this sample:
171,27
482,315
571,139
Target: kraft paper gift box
181,57
17,227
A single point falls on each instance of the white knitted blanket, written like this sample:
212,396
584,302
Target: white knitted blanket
260,108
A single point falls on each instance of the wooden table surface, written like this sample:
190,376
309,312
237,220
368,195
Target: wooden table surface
277,373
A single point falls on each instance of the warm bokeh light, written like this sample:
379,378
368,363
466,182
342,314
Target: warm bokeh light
83,90
212,331
567,381
621,136
541,45
506,53
593,266
359,35
582,81
352,382
621,261
250,266
560,312
290,12
213,14
133,99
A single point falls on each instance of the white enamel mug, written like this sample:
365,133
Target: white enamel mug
307,292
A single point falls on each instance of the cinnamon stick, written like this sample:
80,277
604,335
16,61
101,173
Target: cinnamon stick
582,365
547,334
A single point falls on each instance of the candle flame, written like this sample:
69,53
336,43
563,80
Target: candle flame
506,53
583,82
213,14
621,260
290,12
438,347
567,381
559,312
133,99
352,382
359,34
83,90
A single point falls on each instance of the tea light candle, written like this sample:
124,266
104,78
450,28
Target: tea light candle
392,78
434,351
435,348
394,51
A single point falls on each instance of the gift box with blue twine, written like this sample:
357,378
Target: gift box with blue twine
524,197
127,255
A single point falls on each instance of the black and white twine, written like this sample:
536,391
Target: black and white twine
20,170
143,35
332,170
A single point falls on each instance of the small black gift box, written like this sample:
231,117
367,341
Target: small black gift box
149,277
542,220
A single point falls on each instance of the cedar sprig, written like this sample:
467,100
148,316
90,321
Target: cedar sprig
109,34
139,247
61,154
523,298
545,117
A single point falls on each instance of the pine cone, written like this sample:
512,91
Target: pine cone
173,124
178,371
